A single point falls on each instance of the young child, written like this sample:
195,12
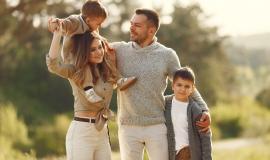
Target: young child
185,142
93,14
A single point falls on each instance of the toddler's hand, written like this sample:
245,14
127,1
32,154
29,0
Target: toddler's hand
54,24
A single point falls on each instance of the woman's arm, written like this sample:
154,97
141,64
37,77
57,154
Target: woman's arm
52,59
55,45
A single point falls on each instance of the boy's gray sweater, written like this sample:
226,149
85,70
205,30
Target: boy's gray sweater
143,103
199,143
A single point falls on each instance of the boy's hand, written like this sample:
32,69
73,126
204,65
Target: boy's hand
204,122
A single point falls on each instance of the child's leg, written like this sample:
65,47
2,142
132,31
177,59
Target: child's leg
90,93
69,26
121,81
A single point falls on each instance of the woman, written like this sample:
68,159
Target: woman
87,136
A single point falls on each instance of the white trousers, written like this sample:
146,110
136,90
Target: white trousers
133,139
84,142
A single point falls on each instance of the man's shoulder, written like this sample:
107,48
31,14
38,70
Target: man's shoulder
166,51
165,48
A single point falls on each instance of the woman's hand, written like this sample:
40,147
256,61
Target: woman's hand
55,45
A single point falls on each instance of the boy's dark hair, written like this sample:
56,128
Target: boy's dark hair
93,8
185,73
151,15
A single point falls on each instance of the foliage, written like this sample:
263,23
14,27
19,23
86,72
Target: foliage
252,68
201,48
14,138
244,118
113,130
254,152
50,138
264,97
24,79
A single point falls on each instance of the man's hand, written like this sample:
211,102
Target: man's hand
110,52
204,122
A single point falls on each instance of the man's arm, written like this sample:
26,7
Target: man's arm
196,96
173,64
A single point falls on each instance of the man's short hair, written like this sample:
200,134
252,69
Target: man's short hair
185,73
151,15
93,8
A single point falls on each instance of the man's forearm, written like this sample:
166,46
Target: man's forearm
198,98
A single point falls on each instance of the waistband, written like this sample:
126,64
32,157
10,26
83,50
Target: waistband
89,120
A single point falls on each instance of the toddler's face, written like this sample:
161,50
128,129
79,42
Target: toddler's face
94,22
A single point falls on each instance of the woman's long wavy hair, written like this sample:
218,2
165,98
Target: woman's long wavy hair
80,52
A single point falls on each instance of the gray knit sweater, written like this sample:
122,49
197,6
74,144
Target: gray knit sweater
143,103
199,143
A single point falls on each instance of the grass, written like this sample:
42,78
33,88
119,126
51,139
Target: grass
257,152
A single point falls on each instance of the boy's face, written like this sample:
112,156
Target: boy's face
94,22
182,89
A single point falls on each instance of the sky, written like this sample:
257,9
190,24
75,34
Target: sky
233,17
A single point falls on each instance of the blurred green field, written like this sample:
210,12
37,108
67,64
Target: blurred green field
244,119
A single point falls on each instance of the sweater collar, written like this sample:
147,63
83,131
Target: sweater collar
152,46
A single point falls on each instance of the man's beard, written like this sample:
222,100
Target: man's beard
138,41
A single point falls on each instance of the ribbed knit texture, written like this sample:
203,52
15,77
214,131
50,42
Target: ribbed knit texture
143,103
199,143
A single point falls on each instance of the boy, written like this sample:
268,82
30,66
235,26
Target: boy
185,142
93,14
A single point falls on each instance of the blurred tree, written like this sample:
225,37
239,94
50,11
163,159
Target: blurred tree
264,97
24,41
16,136
201,48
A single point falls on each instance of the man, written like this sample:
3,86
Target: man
141,107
